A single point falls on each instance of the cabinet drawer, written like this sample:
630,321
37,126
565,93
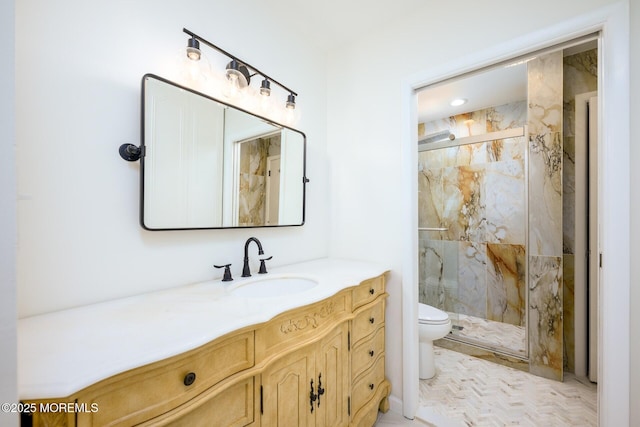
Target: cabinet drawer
365,388
366,351
151,390
367,291
368,321
232,407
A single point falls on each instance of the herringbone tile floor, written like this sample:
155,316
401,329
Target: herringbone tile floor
468,391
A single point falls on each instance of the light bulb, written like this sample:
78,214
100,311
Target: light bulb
193,49
232,88
194,74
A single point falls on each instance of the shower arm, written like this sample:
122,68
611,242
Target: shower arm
433,228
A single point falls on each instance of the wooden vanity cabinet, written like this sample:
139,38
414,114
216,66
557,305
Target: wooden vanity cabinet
318,365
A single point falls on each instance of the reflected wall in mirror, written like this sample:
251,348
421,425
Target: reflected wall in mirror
207,164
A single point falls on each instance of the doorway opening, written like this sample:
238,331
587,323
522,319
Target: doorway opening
508,224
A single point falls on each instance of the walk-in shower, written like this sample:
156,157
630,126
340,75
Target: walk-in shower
473,231
501,213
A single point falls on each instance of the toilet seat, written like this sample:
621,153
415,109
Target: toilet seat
428,315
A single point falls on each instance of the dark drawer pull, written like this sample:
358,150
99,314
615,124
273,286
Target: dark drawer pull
371,386
371,353
371,320
189,379
371,291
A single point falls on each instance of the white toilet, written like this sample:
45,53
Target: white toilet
433,324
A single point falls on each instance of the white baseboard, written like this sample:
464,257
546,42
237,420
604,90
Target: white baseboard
395,404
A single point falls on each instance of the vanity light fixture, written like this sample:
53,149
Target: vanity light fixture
291,101
193,49
238,72
265,88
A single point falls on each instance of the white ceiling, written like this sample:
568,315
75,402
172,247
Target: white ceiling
496,86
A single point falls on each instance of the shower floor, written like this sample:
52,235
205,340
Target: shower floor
468,391
496,335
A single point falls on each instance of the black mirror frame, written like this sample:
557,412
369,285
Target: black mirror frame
142,150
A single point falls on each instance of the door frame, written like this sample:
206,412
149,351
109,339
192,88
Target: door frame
269,187
613,82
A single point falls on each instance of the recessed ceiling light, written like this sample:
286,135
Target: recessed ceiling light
458,102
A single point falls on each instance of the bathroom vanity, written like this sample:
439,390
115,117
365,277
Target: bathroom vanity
204,355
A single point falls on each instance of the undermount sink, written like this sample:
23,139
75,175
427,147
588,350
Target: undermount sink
272,286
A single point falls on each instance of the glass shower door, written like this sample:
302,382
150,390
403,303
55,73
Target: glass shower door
472,237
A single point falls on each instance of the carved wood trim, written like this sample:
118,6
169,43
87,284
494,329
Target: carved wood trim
312,319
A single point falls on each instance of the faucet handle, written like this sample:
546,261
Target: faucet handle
263,267
227,272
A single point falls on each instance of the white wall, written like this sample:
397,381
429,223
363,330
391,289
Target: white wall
634,19
365,118
8,392
79,66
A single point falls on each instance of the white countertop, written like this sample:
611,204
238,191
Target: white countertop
63,352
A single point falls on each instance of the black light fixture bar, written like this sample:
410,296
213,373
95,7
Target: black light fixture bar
224,52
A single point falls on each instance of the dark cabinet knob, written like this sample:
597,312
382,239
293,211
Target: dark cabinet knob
371,320
371,386
371,353
371,291
189,379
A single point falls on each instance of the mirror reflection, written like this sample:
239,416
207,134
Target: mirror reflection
207,164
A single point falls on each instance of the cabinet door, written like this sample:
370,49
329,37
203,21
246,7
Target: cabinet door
332,370
286,386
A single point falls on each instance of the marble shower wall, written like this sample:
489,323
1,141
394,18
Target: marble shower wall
493,119
580,76
545,88
253,168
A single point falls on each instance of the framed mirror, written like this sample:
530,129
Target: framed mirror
207,164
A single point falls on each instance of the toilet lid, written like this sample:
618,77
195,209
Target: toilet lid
428,314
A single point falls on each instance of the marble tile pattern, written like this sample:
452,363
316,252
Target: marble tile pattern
477,191
468,391
506,284
479,122
545,154
503,336
580,76
545,295
251,201
544,79
253,168
504,201
471,295
546,317
568,308
545,194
